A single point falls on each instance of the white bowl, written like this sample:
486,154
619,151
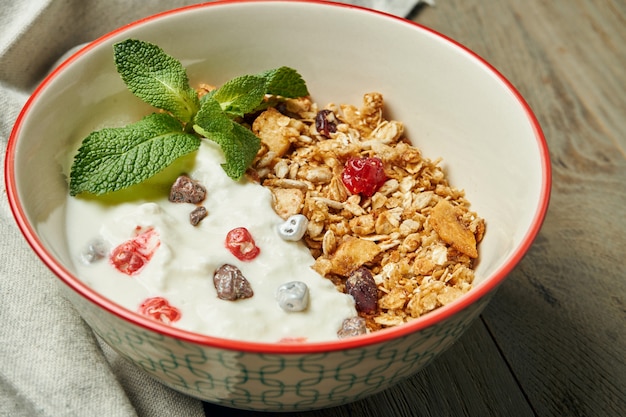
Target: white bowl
454,105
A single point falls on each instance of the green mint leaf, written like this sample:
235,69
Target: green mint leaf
155,77
285,82
245,94
239,144
207,96
240,149
241,95
112,159
211,117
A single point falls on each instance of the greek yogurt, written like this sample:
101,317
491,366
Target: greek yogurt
184,258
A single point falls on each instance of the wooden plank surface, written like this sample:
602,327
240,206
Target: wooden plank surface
560,319
553,340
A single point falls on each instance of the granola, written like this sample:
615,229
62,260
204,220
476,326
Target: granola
416,234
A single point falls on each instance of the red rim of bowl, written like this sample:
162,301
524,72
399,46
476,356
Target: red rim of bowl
434,317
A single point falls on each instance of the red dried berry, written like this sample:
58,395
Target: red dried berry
362,287
240,243
325,122
131,256
159,308
363,175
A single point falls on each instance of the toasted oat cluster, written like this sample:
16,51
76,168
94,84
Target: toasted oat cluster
414,234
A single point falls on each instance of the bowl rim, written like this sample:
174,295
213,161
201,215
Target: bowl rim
490,283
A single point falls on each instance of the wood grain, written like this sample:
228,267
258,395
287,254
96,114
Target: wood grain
560,318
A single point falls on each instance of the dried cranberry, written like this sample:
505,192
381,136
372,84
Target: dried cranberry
231,284
159,309
131,256
363,176
362,287
325,122
240,243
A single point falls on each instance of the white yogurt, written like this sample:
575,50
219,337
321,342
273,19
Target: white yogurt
182,267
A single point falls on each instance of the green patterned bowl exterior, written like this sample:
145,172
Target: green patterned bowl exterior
270,381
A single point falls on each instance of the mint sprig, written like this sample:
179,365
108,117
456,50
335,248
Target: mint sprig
239,144
156,78
285,82
241,95
112,159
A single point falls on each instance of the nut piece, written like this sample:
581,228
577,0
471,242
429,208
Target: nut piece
231,284
446,220
287,201
354,326
351,254
186,190
362,287
273,129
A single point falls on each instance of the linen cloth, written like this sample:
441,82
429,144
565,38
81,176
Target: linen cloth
51,364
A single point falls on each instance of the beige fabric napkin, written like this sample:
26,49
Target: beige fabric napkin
51,364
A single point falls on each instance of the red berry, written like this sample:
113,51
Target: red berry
240,243
159,309
363,175
131,256
325,122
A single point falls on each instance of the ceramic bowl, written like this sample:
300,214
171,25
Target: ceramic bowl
454,106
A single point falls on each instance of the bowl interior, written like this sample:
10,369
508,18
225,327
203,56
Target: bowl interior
452,103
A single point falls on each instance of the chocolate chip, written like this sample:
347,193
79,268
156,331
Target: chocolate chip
186,190
197,215
231,284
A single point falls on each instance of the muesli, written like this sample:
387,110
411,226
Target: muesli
414,233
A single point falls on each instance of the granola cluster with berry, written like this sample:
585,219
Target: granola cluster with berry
383,224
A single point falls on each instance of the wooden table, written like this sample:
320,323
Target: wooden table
553,340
